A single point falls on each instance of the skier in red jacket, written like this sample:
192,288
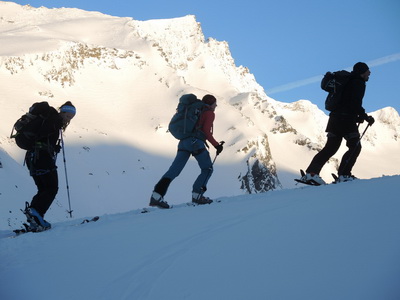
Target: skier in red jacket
196,147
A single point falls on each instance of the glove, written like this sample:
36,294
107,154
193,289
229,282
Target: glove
370,120
219,148
360,119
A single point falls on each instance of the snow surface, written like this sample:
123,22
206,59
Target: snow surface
330,242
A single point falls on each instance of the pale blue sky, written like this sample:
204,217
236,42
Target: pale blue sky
287,43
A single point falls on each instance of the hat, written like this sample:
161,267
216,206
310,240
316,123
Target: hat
209,99
67,107
360,68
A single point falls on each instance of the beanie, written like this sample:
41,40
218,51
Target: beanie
360,68
68,107
209,99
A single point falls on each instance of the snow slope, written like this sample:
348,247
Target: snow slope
331,242
125,77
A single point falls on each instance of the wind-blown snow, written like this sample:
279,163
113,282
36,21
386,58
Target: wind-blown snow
332,242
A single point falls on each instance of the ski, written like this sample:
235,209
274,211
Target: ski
27,228
152,208
94,219
308,182
196,204
191,204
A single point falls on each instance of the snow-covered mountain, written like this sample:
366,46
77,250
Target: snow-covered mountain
125,76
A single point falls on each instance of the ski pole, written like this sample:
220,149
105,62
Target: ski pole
208,175
66,177
359,140
364,132
358,143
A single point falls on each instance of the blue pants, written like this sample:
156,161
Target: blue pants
187,147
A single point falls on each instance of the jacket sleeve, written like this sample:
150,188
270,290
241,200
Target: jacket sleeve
207,126
357,95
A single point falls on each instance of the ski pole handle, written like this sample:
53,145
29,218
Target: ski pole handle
219,147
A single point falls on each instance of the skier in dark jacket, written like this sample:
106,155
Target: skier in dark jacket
41,162
342,123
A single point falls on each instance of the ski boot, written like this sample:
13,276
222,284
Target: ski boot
35,220
310,179
158,201
346,178
200,199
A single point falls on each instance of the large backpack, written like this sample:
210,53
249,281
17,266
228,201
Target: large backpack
334,83
27,127
184,121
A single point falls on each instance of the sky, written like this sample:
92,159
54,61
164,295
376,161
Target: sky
288,45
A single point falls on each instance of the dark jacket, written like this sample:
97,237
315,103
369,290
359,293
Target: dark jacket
352,97
344,120
50,130
42,159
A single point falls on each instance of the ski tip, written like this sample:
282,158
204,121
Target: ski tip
19,231
94,219
310,182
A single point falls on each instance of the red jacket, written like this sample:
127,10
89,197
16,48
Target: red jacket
206,126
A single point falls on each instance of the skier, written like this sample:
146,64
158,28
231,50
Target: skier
41,162
196,147
342,123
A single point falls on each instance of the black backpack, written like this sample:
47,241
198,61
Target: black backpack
28,126
184,121
334,83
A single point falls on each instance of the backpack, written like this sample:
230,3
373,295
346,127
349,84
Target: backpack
334,83
183,122
28,126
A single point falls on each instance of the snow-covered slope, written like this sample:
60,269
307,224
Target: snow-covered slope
332,242
125,77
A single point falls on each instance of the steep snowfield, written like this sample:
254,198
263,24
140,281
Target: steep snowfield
332,242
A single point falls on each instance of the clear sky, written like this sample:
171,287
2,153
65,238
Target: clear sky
287,44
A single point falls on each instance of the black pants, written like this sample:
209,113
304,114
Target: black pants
47,186
331,147
42,167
